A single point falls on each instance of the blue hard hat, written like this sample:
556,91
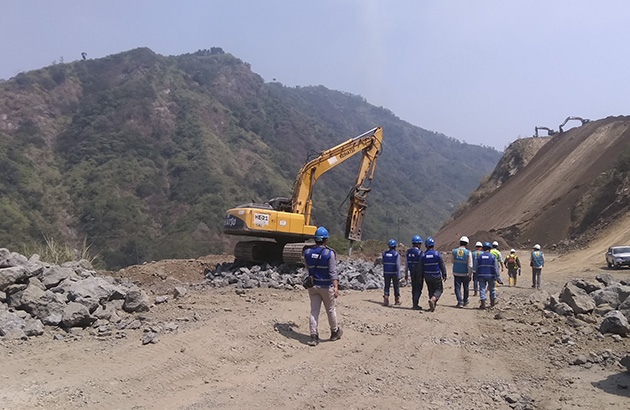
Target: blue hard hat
321,233
416,239
430,241
487,245
392,243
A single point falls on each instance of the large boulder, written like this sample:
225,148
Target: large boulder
607,279
563,309
615,322
577,298
76,315
587,285
10,321
54,275
12,275
613,295
93,290
9,259
136,301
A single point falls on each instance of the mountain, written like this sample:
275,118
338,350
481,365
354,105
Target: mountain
140,155
576,184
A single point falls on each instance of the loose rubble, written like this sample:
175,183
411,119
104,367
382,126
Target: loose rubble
354,274
72,297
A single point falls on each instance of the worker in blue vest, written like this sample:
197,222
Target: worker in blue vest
462,271
433,269
537,261
321,262
391,272
411,268
488,272
478,251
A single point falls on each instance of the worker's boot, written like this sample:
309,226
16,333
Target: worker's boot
511,280
385,300
515,282
397,301
493,302
482,305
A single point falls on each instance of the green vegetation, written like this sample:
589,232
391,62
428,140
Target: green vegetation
142,154
56,252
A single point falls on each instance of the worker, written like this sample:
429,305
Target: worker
321,262
462,271
495,251
411,268
478,251
433,270
537,261
513,265
488,272
391,272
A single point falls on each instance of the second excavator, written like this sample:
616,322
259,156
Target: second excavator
285,223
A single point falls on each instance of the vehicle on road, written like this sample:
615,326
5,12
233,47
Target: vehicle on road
618,256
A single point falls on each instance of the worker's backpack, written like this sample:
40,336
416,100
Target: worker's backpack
511,261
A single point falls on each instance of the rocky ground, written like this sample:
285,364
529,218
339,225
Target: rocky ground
235,347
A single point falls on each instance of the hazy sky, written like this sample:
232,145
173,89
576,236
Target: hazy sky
484,72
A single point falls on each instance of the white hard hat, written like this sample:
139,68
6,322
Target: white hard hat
537,247
495,243
464,239
479,244
512,250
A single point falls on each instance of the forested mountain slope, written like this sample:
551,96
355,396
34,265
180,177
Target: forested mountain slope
141,154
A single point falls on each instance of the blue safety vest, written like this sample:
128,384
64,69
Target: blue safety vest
487,266
460,262
413,258
317,262
390,265
475,255
537,259
431,263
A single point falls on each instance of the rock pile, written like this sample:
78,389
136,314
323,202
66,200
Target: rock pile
34,294
354,274
605,301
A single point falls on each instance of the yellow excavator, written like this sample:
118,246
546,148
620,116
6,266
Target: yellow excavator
285,223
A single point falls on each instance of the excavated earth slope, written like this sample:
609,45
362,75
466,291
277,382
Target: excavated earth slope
536,204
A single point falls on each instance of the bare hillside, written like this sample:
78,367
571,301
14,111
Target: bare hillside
558,195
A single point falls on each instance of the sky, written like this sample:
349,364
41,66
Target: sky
484,72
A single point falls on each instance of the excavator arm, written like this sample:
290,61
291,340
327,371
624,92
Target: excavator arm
370,144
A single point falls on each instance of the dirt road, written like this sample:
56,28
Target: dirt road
239,349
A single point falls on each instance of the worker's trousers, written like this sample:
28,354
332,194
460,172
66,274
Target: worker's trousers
319,295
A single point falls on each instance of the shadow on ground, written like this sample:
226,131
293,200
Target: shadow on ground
618,384
286,330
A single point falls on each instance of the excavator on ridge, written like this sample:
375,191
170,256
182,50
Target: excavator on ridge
582,120
550,132
285,223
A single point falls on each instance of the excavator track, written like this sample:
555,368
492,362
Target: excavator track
258,251
271,252
292,253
